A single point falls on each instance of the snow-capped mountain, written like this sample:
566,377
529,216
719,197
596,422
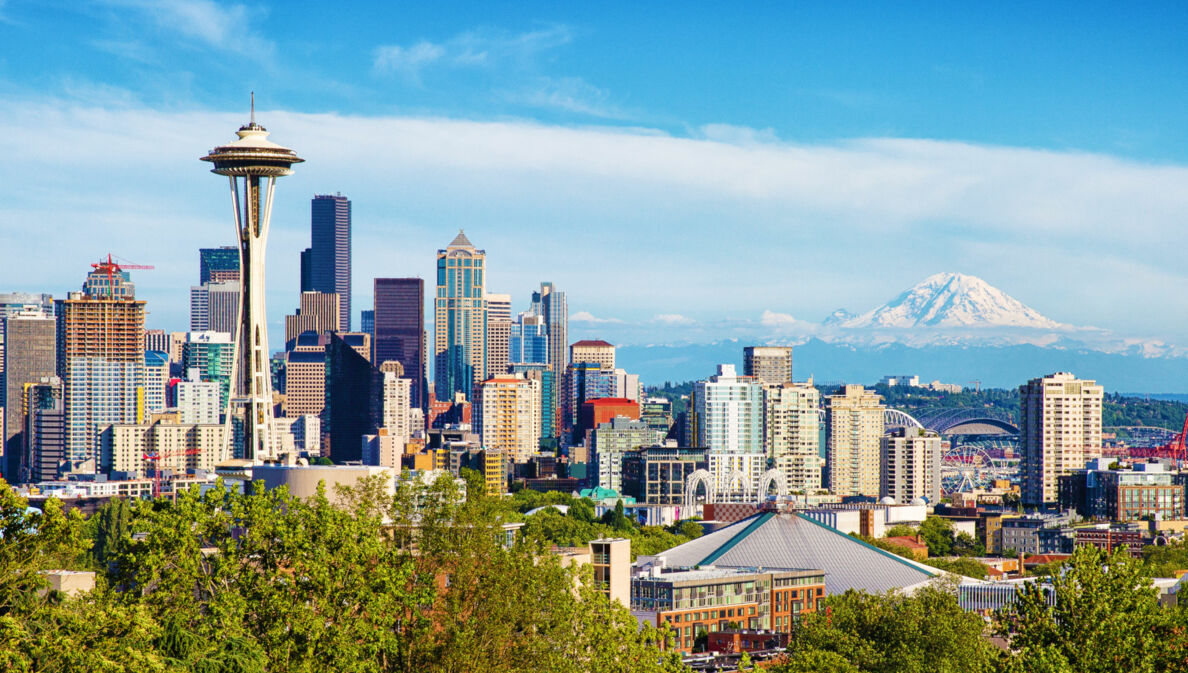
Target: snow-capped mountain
950,300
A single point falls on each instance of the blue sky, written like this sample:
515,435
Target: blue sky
685,171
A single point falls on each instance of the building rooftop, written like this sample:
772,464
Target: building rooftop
592,343
460,241
607,401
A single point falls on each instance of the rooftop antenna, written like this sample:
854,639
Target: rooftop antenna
253,107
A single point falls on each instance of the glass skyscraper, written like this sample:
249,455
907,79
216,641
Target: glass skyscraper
329,267
460,319
399,330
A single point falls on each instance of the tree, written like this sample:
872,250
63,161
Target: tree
900,530
1105,617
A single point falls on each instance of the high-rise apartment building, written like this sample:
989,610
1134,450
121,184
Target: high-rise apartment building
791,433
330,251
543,373
198,401
217,265
400,330
1060,429
181,447
102,341
854,429
499,324
156,381
397,394
507,416
728,421
45,430
771,365
30,354
317,312
910,465
613,439
460,319
210,355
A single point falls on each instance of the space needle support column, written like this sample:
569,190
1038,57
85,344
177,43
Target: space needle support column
251,158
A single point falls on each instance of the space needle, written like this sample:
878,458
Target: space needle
247,162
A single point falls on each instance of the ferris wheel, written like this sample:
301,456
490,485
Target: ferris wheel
965,467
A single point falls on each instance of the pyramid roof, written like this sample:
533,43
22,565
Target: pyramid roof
791,540
460,241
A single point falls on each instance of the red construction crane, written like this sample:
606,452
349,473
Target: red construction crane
156,458
1175,449
110,268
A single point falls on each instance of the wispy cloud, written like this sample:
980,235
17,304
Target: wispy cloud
586,316
472,49
673,319
228,27
572,94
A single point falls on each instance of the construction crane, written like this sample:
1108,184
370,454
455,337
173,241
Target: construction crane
1175,449
156,458
110,268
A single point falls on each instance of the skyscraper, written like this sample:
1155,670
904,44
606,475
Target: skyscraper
460,319
528,341
317,312
330,251
771,365
498,333
910,465
550,304
30,354
218,265
791,428
400,330
354,396
45,429
728,411
507,415
214,306
103,358
1060,429
854,425
210,355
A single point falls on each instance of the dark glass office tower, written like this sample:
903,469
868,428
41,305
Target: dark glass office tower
330,250
353,397
400,329
218,265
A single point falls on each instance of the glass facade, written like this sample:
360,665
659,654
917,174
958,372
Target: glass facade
399,324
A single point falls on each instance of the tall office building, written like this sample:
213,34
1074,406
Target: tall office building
317,312
103,360
214,306
498,333
543,373
771,365
791,433
367,323
330,251
854,427
584,381
353,396
218,265
45,430
30,354
909,467
108,281
728,422
305,376
158,340
210,354
593,350
1060,429
507,416
11,302
400,330
549,303
528,340
460,319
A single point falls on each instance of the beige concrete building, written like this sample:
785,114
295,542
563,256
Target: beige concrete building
182,446
383,449
593,350
507,415
305,383
317,312
771,365
396,417
1060,429
499,321
854,427
909,466
791,433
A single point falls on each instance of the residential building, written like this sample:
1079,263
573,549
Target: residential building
628,386
217,265
45,430
507,416
400,330
792,434
696,602
498,333
728,411
1104,494
198,401
769,365
596,412
543,373
382,449
329,259
318,312
460,318
180,447
658,475
910,464
156,380
102,356
211,355
610,441
611,559
854,430
657,413
396,418
1060,430
30,354
892,380
158,340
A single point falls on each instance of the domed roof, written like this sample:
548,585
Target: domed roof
887,501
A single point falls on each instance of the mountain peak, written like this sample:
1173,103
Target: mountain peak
953,300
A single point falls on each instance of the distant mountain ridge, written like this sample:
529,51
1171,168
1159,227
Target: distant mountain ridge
951,300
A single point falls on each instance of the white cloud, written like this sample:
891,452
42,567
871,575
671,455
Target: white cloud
673,319
224,26
478,48
774,319
586,316
572,94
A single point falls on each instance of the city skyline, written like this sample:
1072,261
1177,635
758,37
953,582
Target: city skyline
1011,191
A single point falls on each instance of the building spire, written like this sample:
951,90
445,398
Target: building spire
253,107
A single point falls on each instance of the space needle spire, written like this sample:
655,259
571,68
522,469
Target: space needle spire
252,163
